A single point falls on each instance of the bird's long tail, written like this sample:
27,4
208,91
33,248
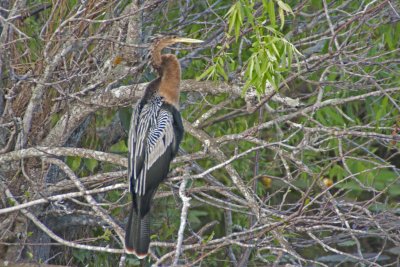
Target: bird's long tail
137,237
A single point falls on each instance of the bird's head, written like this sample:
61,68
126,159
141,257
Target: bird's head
160,42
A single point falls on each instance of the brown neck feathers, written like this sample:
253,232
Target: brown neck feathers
170,78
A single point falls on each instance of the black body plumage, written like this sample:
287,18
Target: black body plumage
155,134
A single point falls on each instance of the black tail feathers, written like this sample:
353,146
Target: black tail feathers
137,236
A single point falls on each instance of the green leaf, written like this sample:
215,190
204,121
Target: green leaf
237,31
209,238
282,17
275,49
232,17
284,6
381,110
107,234
29,254
250,68
119,147
73,162
289,57
257,65
231,10
221,71
208,73
394,190
271,12
240,13
90,164
248,12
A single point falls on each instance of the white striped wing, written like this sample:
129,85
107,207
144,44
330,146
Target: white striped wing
132,140
160,137
151,137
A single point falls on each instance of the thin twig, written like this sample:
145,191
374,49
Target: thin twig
184,213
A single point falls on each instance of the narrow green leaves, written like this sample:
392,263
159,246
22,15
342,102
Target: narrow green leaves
264,51
272,55
235,17
214,71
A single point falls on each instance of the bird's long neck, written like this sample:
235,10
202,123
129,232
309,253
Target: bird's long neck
170,79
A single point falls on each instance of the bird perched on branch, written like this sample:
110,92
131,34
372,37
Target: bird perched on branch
155,133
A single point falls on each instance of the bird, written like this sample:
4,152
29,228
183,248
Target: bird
155,133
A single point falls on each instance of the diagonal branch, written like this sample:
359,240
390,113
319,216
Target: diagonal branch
94,205
45,229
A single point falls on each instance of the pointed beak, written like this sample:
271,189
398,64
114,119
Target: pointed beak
187,40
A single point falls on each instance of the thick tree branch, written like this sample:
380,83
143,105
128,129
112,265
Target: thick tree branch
63,151
119,97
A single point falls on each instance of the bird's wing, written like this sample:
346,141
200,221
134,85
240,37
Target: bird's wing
150,140
158,149
132,140
143,117
160,137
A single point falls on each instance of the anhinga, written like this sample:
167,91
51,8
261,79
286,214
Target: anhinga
155,133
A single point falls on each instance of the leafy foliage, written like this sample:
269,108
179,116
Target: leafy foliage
270,54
